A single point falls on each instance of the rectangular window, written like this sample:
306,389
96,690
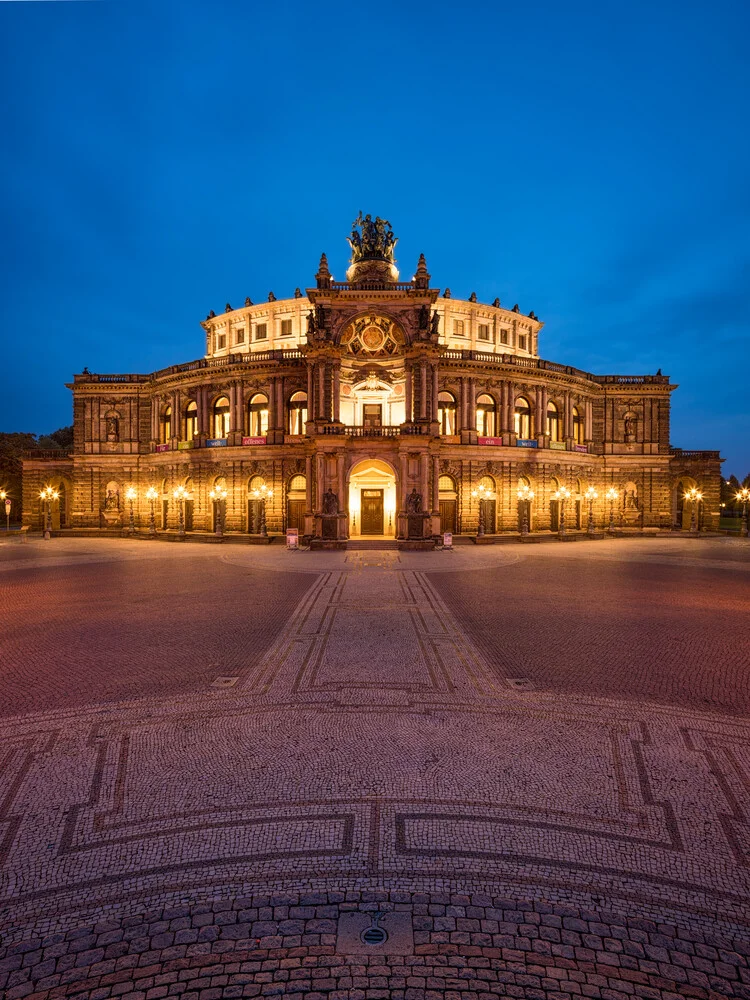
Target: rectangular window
483,332
504,337
240,335
261,331
458,328
522,342
286,328
221,342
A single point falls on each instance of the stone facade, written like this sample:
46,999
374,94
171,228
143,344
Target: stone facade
374,390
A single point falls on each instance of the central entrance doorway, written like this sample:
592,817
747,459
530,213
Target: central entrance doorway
371,505
372,499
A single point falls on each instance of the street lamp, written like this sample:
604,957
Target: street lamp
131,494
48,494
612,495
525,496
563,494
483,494
180,495
6,500
263,493
218,495
591,495
743,495
151,495
695,496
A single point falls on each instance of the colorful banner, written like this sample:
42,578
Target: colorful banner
184,445
495,441
216,443
524,443
580,447
255,440
292,538
557,445
163,447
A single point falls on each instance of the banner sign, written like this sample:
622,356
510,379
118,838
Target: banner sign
162,447
580,447
292,538
183,445
216,443
255,440
557,445
523,443
447,539
495,441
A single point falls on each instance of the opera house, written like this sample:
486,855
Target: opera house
372,407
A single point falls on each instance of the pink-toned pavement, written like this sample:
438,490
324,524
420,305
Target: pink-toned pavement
528,767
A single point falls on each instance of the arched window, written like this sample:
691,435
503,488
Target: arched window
577,426
221,417
522,419
191,420
297,413
165,425
447,412
553,422
297,484
447,484
486,416
258,415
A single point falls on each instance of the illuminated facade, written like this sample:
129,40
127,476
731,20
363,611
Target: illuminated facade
373,407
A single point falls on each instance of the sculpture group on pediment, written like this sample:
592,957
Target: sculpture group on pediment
374,240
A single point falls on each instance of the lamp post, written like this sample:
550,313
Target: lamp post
743,495
591,495
562,495
48,494
151,494
6,501
131,494
695,496
483,494
218,495
612,495
180,495
525,496
263,493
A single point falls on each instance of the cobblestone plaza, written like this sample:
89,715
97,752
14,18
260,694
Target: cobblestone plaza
503,771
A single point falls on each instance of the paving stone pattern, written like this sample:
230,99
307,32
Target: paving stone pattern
383,746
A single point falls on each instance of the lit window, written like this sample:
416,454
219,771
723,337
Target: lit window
298,413
261,331
522,419
486,416
258,414
221,341
458,328
221,417
191,421
286,328
165,425
240,335
447,413
553,422
577,426
483,331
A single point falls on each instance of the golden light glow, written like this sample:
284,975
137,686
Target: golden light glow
131,493
742,495
152,493
218,494
612,494
180,493
262,493
525,492
49,493
591,494
563,493
693,494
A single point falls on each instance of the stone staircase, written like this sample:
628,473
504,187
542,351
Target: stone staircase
369,544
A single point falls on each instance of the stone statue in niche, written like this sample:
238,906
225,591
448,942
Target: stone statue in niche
434,326
424,318
330,502
113,432
630,423
630,499
414,503
112,500
310,323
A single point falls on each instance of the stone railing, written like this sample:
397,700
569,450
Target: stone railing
63,453
701,455
388,430
371,286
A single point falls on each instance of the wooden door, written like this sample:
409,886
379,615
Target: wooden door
489,507
164,514
295,515
448,516
253,517
371,519
554,515
189,506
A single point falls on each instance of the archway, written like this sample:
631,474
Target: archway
372,499
682,506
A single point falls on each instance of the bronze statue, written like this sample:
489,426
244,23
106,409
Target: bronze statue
310,323
330,502
435,324
112,430
248,301
414,502
375,241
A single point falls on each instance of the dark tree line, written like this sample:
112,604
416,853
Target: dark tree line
12,448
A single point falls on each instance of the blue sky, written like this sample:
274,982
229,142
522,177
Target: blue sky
587,160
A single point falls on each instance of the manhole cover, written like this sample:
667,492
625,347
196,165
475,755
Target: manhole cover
520,683
374,935
224,682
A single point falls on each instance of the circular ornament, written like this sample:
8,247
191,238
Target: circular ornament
373,338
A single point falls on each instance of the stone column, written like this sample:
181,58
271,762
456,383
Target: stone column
503,408
319,484
337,391
472,404
408,392
435,485
403,468
154,422
434,408
308,484
343,499
310,391
423,390
320,409
462,406
588,429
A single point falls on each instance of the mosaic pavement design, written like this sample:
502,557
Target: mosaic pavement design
373,749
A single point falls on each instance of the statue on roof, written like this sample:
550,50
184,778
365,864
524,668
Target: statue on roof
373,241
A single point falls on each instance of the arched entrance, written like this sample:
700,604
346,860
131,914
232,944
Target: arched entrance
372,499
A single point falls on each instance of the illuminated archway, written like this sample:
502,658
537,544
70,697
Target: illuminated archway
373,506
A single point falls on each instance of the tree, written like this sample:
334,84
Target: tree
12,447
